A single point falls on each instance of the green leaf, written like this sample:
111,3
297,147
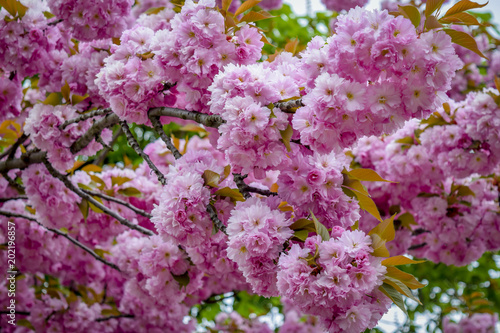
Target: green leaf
256,16
407,220
53,99
368,175
462,6
401,288
25,323
246,6
434,119
432,23
394,295
409,280
75,99
65,92
301,234
407,140
226,4
355,185
231,193
84,208
130,192
211,178
286,136
364,201
301,223
64,230
431,6
154,10
320,228
48,15
412,13
183,279
95,208
460,18
465,40
464,191
400,260
385,229
110,312
119,180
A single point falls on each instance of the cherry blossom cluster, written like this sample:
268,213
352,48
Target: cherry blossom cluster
56,206
29,46
464,141
96,19
196,49
41,251
11,95
311,182
251,135
336,280
256,237
455,225
130,80
44,127
80,70
478,322
339,5
182,210
369,77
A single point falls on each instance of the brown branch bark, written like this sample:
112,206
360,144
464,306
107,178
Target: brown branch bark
93,201
65,235
135,145
168,142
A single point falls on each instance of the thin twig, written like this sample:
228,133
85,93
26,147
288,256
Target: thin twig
23,313
12,149
93,201
22,197
118,201
418,246
215,219
245,189
12,183
168,142
135,145
124,315
65,235
106,150
85,116
31,157
202,118
289,106
108,120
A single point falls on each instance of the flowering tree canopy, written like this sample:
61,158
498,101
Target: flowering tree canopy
181,166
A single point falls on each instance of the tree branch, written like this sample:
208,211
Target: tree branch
12,149
289,106
96,203
124,315
108,120
133,142
22,197
418,246
106,150
215,219
208,120
118,201
168,142
85,116
12,183
246,189
65,235
31,157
